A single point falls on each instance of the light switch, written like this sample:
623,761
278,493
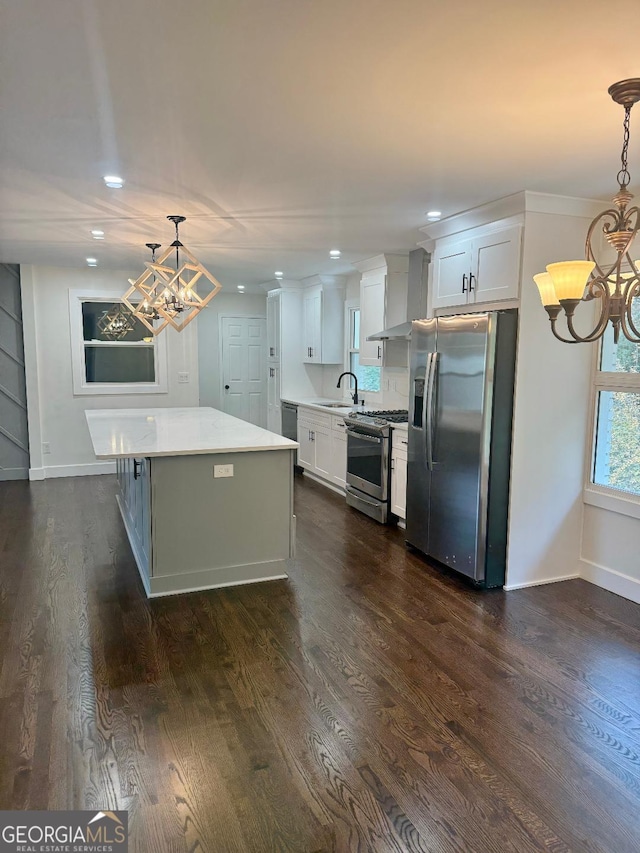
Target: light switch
183,377
223,471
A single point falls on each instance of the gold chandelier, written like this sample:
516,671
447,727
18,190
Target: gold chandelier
616,284
164,296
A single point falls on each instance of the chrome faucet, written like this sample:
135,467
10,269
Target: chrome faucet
354,396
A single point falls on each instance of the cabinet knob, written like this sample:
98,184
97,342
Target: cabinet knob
226,387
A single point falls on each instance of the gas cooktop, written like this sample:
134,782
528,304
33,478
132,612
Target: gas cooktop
389,416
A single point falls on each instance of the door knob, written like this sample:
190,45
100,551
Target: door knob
226,387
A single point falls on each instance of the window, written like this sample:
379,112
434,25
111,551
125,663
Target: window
616,458
112,351
368,377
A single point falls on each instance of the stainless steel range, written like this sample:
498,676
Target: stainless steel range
368,460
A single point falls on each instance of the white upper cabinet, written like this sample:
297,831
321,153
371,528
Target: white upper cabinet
312,325
323,320
372,293
479,268
383,301
273,325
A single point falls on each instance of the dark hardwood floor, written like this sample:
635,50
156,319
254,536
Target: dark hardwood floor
370,703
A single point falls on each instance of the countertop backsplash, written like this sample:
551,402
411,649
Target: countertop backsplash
394,392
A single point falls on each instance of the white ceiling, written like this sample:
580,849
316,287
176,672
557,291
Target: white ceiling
285,128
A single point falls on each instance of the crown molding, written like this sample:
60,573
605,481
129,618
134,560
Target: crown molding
526,201
391,261
337,282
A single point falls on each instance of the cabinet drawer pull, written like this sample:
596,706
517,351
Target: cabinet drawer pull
471,278
378,352
136,469
464,283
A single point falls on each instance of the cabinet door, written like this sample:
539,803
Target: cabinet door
274,419
372,294
496,265
399,484
306,451
312,325
273,326
321,438
143,510
339,458
451,269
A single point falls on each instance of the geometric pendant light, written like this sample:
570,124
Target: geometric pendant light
164,295
142,295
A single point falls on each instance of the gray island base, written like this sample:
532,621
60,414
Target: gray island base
196,519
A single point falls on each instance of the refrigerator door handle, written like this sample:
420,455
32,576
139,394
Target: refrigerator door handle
425,411
429,397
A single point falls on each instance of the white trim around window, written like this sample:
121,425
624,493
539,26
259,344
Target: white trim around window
595,494
78,368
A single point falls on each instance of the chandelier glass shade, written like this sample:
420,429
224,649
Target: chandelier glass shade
166,295
615,281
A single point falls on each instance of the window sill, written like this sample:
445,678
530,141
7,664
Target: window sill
100,389
612,501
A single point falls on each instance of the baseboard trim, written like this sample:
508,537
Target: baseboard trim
510,586
36,473
333,486
89,469
611,580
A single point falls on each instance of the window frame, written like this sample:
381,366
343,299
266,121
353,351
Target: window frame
78,346
375,397
595,494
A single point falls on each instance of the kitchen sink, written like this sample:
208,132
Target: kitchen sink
335,405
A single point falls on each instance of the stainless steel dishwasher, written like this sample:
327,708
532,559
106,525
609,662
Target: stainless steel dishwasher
290,424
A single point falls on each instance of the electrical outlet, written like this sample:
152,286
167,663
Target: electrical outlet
46,447
183,378
223,471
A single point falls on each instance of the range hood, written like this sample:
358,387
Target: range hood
401,332
416,302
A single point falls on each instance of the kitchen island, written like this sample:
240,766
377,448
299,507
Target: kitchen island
206,498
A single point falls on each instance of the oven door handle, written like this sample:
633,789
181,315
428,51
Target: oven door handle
368,503
372,438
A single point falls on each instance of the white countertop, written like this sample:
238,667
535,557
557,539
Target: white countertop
122,433
320,403
402,427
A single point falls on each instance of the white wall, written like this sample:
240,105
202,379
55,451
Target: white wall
229,305
551,417
55,415
611,549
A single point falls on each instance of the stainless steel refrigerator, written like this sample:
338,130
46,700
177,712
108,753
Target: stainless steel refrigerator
462,373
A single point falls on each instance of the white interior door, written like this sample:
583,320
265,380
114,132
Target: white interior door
244,373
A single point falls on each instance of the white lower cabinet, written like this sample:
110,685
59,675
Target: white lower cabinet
399,475
323,445
338,469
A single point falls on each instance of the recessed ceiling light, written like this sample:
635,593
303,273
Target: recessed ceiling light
114,182
97,234
335,254
92,262
434,215
278,274
241,287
